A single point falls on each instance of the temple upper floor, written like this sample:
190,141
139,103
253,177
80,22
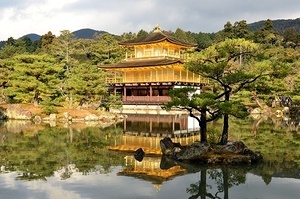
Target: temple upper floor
162,49
156,45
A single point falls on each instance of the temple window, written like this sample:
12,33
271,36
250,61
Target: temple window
139,54
165,52
148,52
171,52
156,53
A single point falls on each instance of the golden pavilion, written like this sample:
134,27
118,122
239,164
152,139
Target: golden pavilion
154,66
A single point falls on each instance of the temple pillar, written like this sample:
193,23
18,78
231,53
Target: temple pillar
124,124
173,124
124,92
150,127
150,91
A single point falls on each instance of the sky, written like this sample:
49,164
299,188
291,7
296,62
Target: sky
21,17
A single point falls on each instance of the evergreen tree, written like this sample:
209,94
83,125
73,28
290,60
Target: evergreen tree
142,33
187,99
241,30
228,31
230,65
87,85
63,47
291,37
33,78
180,35
266,34
46,42
106,49
12,47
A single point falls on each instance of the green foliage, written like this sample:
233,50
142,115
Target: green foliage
86,83
49,109
142,33
115,101
238,30
106,49
32,78
46,42
232,65
12,47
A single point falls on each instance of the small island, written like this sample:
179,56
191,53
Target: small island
205,153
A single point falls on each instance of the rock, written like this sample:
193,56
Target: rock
52,117
16,112
230,147
91,117
67,116
191,153
139,154
37,119
167,146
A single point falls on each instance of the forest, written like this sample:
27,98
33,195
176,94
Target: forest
62,70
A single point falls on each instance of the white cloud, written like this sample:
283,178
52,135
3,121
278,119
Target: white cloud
18,18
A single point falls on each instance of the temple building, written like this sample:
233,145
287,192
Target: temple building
154,66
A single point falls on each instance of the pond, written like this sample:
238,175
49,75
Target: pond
86,161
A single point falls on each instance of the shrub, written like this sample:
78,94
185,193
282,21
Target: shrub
49,109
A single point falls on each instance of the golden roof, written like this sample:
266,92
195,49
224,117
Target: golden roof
156,36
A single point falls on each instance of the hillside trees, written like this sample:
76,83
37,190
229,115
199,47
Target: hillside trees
87,84
46,42
82,82
284,75
106,49
142,33
61,73
12,47
4,71
63,47
238,30
31,78
266,35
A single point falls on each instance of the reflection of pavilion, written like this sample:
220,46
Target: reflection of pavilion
149,170
160,125
146,131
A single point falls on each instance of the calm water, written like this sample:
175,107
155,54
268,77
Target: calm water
39,161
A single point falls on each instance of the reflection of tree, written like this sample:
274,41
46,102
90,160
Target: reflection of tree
224,178
200,189
39,155
278,145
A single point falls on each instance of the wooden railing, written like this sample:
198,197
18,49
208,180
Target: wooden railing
146,99
159,78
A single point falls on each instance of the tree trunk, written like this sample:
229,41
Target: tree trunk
36,98
224,138
225,183
202,124
70,100
203,127
203,184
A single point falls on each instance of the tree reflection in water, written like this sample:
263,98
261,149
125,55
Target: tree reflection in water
214,181
38,154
